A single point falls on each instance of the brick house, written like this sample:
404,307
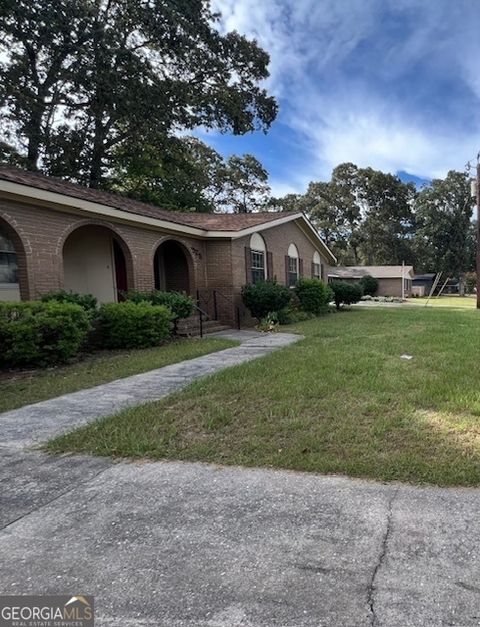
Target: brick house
55,234
390,278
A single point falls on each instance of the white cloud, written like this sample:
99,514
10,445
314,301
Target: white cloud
371,133
313,44
281,188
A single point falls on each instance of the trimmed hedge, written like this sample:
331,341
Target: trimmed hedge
313,295
86,301
180,304
346,293
134,325
265,297
40,333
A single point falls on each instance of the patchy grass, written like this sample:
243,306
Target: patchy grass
455,302
340,401
23,387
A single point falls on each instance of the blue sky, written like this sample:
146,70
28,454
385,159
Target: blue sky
392,84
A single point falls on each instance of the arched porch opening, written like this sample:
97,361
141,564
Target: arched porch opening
96,261
173,268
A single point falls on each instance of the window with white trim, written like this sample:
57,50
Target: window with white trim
292,265
8,260
316,266
258,261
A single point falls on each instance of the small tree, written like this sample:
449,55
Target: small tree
265,297
369,285
346,293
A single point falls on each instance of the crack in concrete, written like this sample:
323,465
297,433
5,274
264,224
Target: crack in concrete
55,498
383,552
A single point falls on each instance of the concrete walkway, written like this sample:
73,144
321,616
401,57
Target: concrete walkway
37,423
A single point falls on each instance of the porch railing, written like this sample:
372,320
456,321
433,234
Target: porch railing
208,301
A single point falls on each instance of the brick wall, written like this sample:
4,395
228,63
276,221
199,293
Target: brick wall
277,240
39,234
43,231
390,287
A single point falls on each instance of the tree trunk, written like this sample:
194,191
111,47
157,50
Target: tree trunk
96,160
354,249
95,174
33,131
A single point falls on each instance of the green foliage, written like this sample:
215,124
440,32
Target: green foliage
291,315
365,216
471,282
134,325
345,293
313,295
177,173
335,208
443,237
371,217
385,232
36,333
246,186
269,323
369,285
86,301
181,305
184,174
265,297
79,80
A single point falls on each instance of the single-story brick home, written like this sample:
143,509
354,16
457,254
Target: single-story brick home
389,278
55,234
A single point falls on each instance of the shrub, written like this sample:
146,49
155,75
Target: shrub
269,323
313,295
369,285
289,315
265,297
345,293
134,325
470,282
86,301
37,333
180,304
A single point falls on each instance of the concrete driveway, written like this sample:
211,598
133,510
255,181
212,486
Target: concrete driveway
171,544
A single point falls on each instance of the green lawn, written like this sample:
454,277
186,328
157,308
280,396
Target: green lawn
340,401
23,387
460,302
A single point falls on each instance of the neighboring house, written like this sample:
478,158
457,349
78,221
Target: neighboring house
55,234
422,283
389,277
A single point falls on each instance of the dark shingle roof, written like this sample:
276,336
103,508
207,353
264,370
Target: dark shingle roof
204,221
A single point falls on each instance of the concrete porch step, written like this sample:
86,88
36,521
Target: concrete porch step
216,328
190,327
